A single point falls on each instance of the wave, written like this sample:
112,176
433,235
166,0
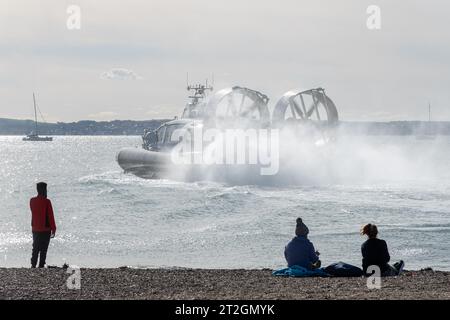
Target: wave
233,193
117,178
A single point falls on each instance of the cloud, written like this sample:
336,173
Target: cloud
164,111
120,74
104,115
396,69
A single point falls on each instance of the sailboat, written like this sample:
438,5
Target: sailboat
34,136
428,135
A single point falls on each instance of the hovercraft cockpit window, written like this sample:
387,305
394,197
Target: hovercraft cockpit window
161,133
169,132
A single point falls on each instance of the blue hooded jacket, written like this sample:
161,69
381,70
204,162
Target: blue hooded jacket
300,251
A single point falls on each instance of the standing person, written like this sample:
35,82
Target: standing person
375,252
300,251
42,224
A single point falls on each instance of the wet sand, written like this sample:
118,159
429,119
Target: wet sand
127,283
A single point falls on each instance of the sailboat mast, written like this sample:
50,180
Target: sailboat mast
429,111
35,115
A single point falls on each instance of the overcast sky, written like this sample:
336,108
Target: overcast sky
129,59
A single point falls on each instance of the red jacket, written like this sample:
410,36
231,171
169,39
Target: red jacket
42,218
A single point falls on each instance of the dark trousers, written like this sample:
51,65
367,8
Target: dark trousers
41,240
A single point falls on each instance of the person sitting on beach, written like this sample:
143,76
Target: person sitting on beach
300,251
375,252
42,224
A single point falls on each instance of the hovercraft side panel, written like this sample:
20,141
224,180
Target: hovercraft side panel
140,160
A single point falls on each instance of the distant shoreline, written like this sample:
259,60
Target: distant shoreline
154,284
11,127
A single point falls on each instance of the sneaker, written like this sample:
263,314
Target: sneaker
399,266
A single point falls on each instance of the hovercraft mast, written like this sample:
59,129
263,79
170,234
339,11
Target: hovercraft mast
195,107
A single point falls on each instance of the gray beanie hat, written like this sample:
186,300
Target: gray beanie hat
301,229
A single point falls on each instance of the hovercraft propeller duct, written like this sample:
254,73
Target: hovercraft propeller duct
243,107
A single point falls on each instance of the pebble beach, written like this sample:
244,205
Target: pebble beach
157,284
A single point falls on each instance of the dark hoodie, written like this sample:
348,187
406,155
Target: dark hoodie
375,252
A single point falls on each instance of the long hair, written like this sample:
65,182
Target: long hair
42,189
370,230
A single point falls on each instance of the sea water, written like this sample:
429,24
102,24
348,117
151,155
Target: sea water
107,218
